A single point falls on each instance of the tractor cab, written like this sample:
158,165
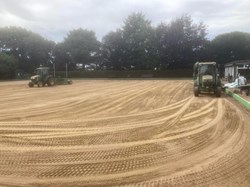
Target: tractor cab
207,69
206,78
41,77
42,72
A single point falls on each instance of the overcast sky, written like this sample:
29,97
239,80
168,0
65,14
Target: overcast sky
53,19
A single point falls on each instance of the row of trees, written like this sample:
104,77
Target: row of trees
136,45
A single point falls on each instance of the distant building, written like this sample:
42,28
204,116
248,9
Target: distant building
235,68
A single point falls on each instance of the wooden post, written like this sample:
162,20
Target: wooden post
66,70
54,67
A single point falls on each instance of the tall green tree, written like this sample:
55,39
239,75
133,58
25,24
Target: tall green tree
29,48
8,65
139,37
180,43
114,51
80,46
231,46
61,57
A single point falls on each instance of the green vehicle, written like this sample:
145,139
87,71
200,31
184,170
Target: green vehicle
206,78
42,77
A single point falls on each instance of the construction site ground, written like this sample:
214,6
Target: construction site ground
121,133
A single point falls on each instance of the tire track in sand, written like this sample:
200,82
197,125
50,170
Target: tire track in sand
169,138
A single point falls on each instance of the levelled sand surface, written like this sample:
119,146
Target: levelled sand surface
121,133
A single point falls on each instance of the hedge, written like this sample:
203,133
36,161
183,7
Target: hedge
178,73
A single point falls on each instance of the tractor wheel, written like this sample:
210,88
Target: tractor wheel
51,82
218,91
196,91
248,91
40,84
31,84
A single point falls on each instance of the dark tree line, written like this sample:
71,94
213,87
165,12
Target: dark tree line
29,49
136,45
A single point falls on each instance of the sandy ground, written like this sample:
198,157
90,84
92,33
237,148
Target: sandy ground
121,133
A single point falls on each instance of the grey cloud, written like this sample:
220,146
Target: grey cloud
54,18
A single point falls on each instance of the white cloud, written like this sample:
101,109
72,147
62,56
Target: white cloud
54,18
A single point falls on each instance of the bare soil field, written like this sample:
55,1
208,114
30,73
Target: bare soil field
121,133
